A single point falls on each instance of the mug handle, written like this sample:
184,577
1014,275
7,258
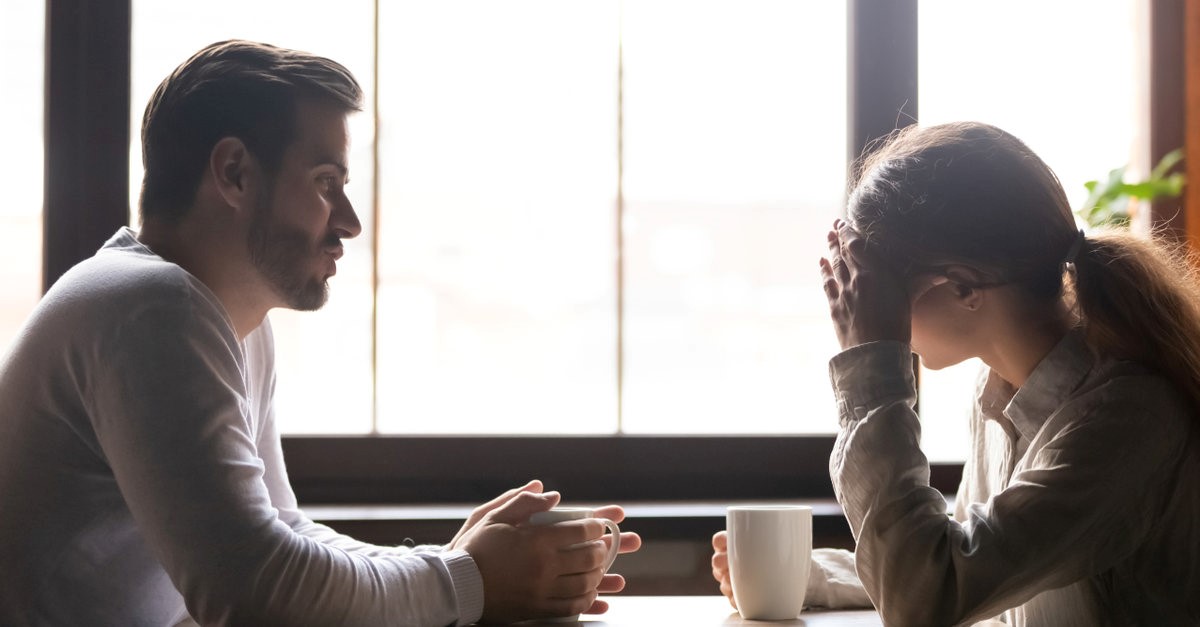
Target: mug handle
616,542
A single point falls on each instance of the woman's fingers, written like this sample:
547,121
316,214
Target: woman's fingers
837,258
720,564
720,540
867,301
828,283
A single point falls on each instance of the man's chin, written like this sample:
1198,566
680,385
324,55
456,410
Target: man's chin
312,298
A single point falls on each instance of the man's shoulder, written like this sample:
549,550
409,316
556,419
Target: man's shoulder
117,287
122,276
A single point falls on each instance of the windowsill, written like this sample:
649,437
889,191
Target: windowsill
636,510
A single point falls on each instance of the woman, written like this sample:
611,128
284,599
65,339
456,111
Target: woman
1080,500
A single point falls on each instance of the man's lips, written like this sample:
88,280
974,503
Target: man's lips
335,252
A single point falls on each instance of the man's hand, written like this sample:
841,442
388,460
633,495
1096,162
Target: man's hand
720,565
630,542
478,513
539,571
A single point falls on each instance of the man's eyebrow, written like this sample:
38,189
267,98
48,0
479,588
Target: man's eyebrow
337,163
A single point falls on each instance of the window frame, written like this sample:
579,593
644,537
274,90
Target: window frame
87,199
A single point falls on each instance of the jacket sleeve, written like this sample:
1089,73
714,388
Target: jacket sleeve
1074,512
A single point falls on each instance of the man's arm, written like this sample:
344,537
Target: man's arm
170,410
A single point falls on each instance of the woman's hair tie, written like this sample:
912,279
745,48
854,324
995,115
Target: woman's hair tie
1073,251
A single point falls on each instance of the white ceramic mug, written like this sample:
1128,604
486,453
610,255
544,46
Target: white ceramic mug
563,514
770,548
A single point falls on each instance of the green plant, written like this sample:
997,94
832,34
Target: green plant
1111,202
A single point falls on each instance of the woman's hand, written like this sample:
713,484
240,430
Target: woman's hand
867,301
720,565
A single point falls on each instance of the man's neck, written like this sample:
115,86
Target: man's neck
219,259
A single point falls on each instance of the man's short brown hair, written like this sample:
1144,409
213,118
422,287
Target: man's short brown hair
230,89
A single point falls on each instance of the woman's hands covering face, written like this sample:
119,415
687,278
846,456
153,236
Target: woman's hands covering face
868,300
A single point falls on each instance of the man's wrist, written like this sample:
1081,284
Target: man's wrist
468,585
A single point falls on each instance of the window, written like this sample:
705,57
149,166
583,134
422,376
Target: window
507,132
516,137
21,37
598,218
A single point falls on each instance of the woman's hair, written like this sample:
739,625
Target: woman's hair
237,89
971,194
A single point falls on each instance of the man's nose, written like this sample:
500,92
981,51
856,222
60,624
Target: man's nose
344,220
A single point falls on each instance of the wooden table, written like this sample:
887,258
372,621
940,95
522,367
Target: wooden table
698,611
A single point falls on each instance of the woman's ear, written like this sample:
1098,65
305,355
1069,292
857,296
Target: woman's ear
232,168
967,297
961,281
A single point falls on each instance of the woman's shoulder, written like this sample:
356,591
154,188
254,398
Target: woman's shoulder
1130,395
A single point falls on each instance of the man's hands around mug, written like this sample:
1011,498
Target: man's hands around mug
540,571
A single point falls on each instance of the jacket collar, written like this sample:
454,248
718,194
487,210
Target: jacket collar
1048,387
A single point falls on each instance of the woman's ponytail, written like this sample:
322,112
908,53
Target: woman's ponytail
1138,299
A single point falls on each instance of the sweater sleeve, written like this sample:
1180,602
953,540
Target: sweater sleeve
1073,513
260,367
170,408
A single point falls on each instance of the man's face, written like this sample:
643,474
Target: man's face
296,232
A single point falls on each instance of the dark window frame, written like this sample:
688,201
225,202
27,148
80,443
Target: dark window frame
87,199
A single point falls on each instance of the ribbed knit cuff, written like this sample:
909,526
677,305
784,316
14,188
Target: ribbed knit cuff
468,586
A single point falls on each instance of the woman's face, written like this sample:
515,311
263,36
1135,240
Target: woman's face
942,326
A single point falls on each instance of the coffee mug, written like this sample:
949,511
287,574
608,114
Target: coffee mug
563,514
770,548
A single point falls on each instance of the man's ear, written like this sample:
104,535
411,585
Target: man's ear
233,169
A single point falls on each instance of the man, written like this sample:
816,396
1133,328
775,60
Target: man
141,475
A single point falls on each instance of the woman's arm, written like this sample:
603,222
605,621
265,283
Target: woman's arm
1080,504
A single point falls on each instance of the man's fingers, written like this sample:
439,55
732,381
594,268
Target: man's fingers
571,532
630,541
615,513
533,486
572,606
611,583
576,585
519,508
583,558
598,607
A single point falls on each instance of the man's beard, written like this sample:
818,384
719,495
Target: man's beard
282,255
